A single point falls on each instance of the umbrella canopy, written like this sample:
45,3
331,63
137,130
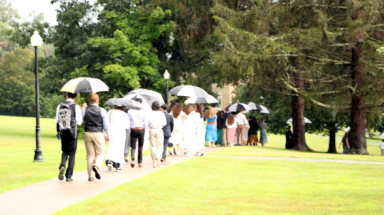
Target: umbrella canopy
84,85
237,107
305,120
188,90
349,128
257,107
148,97
123,102
206,100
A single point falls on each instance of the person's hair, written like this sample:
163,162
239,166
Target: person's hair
173,104
211,112
155,106
93,98
72,95
176,110
188,109
231,119
226,109
346,134
139,100
289,127
200,110
262,119
220,114
164,106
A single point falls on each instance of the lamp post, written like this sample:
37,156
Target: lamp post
36,41
166,77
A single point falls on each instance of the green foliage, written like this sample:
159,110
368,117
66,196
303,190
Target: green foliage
8,15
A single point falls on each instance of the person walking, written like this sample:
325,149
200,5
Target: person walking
263,132
177,133
167,129
156,122
252,134
119,124
345,142
220,124
231,124
224,128
190,129
68,113
138,123
96,121
382,148
199,120
242,122
211,132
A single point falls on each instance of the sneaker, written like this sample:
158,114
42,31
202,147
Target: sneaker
201,154
61,174
185,152
109,166
154,164
189,154
118,169
69,179
170,152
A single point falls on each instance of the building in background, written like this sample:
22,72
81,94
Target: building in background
225,95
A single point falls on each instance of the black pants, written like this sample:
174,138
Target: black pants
166,141
137,134
69,147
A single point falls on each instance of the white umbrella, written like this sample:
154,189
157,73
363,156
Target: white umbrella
84,85
349,128
257,107
305,120
124,102
188,90
237,107
206,100
148,97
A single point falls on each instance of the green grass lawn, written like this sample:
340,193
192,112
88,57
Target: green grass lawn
17,145
216,185
276,148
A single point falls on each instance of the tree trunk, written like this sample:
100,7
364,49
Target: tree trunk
332,139
357,139
298,117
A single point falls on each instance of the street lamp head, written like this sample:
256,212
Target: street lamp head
36,39
166,75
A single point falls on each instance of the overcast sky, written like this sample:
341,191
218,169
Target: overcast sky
25,7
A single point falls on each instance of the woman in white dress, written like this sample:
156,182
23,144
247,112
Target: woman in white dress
190,129
119,123
200,144
177,133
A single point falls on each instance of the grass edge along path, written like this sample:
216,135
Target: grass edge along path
216,185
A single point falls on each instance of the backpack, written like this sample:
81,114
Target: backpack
65,124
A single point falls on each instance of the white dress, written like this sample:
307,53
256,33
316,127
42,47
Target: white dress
189,131
200,143
119,123
177,133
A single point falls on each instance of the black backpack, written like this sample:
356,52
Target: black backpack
66,124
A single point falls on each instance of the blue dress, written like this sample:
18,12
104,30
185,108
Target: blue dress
211,133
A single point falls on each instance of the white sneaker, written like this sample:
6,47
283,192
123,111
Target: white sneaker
118,169
154,164
178,153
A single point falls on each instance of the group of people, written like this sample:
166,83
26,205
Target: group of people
235,129
178,129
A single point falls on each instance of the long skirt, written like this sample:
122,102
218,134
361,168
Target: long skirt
253,138
263,137
231,135
200,141
116,145
219,137
246,135
211,133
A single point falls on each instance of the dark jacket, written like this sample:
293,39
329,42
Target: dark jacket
220,123
225,116
253,127
168,128
289,144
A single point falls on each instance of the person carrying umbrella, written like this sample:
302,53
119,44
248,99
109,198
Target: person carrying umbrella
96,121
68,117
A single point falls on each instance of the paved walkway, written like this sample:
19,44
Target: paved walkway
303,159
49,196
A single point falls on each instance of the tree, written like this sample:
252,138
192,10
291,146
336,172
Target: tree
8,15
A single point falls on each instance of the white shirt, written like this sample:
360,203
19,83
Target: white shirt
234,125
156,120
382,145
241,119
79,116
